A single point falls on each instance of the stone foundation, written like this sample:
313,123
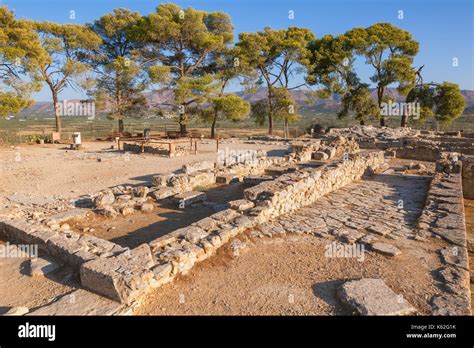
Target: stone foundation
443,216
468,176
70,247
161,150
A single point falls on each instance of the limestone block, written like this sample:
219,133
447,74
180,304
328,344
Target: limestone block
123,278
373,297
194,167
164,192
186,198
241,204
320,156
104,199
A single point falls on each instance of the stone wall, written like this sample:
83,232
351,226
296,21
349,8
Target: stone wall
294,190
421,152
161,150
443,216
207,173
70,247
468,176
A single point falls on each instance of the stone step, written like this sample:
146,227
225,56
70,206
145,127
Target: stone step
256,179
59,218
187,198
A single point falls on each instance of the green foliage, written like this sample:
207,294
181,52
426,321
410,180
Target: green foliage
37,138
277,55
443,101
358,100
185,43
259,111
425,95
390,51
19,51
282,104
331,64
187,51
449,102
11,102
59,65
332,68
119,75
230,107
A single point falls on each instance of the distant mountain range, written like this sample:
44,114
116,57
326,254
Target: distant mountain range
302,98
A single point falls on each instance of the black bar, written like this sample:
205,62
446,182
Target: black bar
139,330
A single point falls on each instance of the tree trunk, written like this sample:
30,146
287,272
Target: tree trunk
57,115
404,122
118,101
213,127
380,91
270,111
182,126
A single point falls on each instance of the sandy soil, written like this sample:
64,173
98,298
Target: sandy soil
41,174
18,288
52,171
285,276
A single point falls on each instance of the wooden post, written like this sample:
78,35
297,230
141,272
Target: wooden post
171,144
195,147
217,144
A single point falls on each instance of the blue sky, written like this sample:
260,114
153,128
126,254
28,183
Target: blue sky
444,28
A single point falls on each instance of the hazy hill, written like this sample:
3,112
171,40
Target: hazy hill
157,97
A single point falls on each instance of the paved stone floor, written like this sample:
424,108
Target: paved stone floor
385,205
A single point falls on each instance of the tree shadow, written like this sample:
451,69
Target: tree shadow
171,220
175,218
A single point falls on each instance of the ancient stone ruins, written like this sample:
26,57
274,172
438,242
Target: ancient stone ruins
342,187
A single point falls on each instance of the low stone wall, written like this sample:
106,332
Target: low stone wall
193,175
443,216
419,152
156,149
369,137
468,176
294,190
70,247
